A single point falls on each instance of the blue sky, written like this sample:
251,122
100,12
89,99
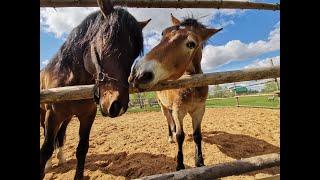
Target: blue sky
249,38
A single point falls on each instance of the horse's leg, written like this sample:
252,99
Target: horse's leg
178,116
197,116
82,149
52,124
171,125
60,139
42,120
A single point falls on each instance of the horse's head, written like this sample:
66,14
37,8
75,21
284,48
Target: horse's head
113,49
171,57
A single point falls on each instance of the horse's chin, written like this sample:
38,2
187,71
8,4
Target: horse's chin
122,111
105,114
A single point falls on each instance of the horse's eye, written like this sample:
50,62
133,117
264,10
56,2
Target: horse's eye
191,44
162,33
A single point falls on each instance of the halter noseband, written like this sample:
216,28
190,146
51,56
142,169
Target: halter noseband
101,79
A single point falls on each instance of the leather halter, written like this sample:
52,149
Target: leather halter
102,78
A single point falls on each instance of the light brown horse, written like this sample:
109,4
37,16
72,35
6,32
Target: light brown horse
100,51
178,53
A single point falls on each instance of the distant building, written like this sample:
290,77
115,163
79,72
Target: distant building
239,89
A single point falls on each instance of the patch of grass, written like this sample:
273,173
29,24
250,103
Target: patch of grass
215,103
146,109
259,101
248,101
221,102
136,109
150,95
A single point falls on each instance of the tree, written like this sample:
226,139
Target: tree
253,91
217,91
269,87
227,92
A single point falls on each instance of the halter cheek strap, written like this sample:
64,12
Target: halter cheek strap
96,63
96,94
101,77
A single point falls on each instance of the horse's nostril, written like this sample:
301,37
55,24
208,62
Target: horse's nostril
146,77
115,109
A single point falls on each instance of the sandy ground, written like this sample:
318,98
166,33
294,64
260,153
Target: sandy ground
135,144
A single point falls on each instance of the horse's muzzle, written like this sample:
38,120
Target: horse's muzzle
143,79
114,109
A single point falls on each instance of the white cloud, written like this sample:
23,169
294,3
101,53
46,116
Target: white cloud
61,21
45,62
223,23
161,19
235,50
151,39
264,63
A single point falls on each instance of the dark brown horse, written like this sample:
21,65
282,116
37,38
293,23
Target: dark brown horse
99,51
178,53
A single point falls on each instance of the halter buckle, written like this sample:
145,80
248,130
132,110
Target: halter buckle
101,76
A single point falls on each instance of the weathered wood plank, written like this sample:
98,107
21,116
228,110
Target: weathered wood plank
165,4
86,91
222,170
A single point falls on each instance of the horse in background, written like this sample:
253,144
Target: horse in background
178,53
100,51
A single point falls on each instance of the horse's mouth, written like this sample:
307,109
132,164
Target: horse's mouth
106,114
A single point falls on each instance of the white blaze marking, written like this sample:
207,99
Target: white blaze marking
158,71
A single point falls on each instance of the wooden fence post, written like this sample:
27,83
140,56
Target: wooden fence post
275,79
236,95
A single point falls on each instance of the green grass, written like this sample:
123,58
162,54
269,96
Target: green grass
227,102
247,101
146,109
259,101
221,102
147,95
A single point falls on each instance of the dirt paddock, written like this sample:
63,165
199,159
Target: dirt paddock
135,144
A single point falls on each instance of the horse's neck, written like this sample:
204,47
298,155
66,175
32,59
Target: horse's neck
195,65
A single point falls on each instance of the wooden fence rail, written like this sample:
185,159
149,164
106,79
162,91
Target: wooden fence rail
86,91
222,170
165,4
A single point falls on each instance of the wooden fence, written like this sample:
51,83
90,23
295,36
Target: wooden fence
206,172
222,170
165,4
86,91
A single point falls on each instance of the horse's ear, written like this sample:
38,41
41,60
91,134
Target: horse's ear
106,7
205,34
174,20
142,24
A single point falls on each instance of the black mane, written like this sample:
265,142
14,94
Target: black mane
119,21
195,23
192,22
